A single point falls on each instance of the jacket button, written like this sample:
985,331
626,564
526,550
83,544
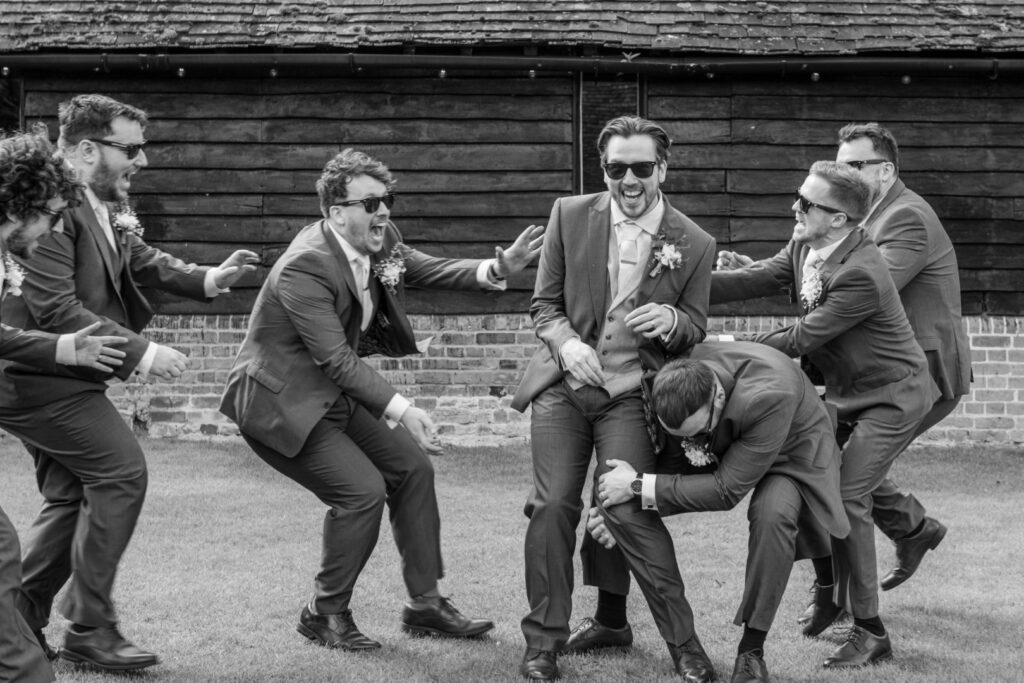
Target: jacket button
607,336
611,318
327,404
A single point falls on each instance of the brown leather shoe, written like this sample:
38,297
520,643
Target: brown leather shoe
540,665
51,654
822,612
104,648
591,635
442,619
334,630
692,662
910,551
860,649
749,668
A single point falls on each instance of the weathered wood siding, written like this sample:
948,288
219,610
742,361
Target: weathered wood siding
233,164
741,148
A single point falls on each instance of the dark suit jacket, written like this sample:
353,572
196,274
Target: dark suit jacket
572,292
858,335
772,423
73,281
300,352
923,265
38,349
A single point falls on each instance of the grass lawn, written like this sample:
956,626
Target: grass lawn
224,556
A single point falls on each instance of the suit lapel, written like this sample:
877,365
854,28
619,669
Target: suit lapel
838,257
92,226
597,237
342,259
895,191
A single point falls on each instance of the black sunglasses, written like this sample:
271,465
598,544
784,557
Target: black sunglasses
54,215
806,204
130,151
866,162
616,170
371,204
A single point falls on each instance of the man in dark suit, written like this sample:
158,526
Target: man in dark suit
622,274
90,468
753,411
923,265
855,331
312,410
35,188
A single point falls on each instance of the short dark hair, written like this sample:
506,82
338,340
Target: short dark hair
31,175
332,186
882,141
90,116
681,388
848,192
627,126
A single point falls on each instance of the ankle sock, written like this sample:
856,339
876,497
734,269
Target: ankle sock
611,610
873,625
823,571
753,639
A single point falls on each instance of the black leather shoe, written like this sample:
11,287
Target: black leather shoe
50,653
104,648
442,620
591,635
334,630
540,665
692,662
822,612
749,668
860,649
812,606
910,551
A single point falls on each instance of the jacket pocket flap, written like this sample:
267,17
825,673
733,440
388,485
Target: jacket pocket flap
265,377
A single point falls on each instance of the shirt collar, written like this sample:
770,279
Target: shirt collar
650,222
350,252
98,206
825,252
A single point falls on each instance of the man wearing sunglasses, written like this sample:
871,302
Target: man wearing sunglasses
854,330
761,419
623,280
924,267
314,411
90,467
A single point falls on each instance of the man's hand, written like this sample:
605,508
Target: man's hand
168,363
236,265
730,260
523,250
422,429
597,529
581,361
613,485
97,352
650,320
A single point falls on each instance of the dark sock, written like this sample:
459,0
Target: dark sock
753,639
78,628
917,529
872,625
823,571
611,610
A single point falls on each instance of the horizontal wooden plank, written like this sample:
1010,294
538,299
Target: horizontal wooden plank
881,107
973,303
469,204
710,130
866,87
991,280
1004,303
772,305
908,135
989,256
759,182
665,110
375,106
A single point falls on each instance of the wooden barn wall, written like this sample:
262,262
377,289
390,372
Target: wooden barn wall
741,148
233,163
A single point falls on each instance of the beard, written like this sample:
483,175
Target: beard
20,245
104,184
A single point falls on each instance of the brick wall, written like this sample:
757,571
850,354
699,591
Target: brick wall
473,364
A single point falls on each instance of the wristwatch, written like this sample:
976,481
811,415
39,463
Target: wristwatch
636,486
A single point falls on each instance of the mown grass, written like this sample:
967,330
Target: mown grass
225,552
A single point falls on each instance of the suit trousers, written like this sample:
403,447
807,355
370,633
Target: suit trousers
355,464
896,513
21,658
879,432
92,474
566,426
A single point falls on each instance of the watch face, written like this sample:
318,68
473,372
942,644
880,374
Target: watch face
636,486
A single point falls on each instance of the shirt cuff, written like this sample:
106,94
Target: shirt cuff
396,409
66,349
647,501
675,323
142,369
486,279
726,337
210,287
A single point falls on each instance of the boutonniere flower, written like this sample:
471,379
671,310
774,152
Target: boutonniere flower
665,255
697,453
389,271
126,222
810,289
14,275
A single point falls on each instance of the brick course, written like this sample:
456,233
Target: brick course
468,374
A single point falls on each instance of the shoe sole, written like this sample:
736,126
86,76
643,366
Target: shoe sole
316,638
82,660
596,648
939,535
437,633
879,660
